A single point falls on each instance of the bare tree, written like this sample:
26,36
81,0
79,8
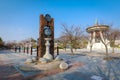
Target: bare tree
104,40
84,40
31,41
113,35
63,41
10,44
90,42
72,34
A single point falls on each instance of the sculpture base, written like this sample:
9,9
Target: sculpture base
48,56
97,46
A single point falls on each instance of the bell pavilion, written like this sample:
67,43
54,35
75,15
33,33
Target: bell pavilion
96,33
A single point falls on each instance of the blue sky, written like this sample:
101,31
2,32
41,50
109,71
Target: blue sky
19,19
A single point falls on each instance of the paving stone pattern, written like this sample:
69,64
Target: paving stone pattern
93,66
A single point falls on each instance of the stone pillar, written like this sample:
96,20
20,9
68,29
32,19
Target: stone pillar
31,50
27,50
41,42
94,37
90,34
19,49
15,49
90,38
37,53
47,53
24,50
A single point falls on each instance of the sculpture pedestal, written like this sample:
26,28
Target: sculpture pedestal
47,53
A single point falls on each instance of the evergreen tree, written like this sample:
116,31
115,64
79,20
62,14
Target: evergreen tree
1,42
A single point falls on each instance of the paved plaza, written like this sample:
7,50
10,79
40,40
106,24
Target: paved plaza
94,66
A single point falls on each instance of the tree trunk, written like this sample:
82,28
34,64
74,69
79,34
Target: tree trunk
71,50
105,44
106,50
75,49
91,48
65,49
113,50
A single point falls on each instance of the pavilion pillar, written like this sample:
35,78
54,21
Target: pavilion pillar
93,40
101,36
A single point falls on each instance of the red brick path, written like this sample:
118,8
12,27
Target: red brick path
52,72
8,72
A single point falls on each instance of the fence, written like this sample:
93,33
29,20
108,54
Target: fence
31,50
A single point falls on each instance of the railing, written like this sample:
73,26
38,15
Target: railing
26,50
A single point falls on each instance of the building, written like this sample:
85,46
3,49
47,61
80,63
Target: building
96,36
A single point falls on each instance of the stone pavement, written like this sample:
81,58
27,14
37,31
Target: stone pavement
94,68
7,61
8,72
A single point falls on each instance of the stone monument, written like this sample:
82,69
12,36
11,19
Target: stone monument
45,57
46,36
